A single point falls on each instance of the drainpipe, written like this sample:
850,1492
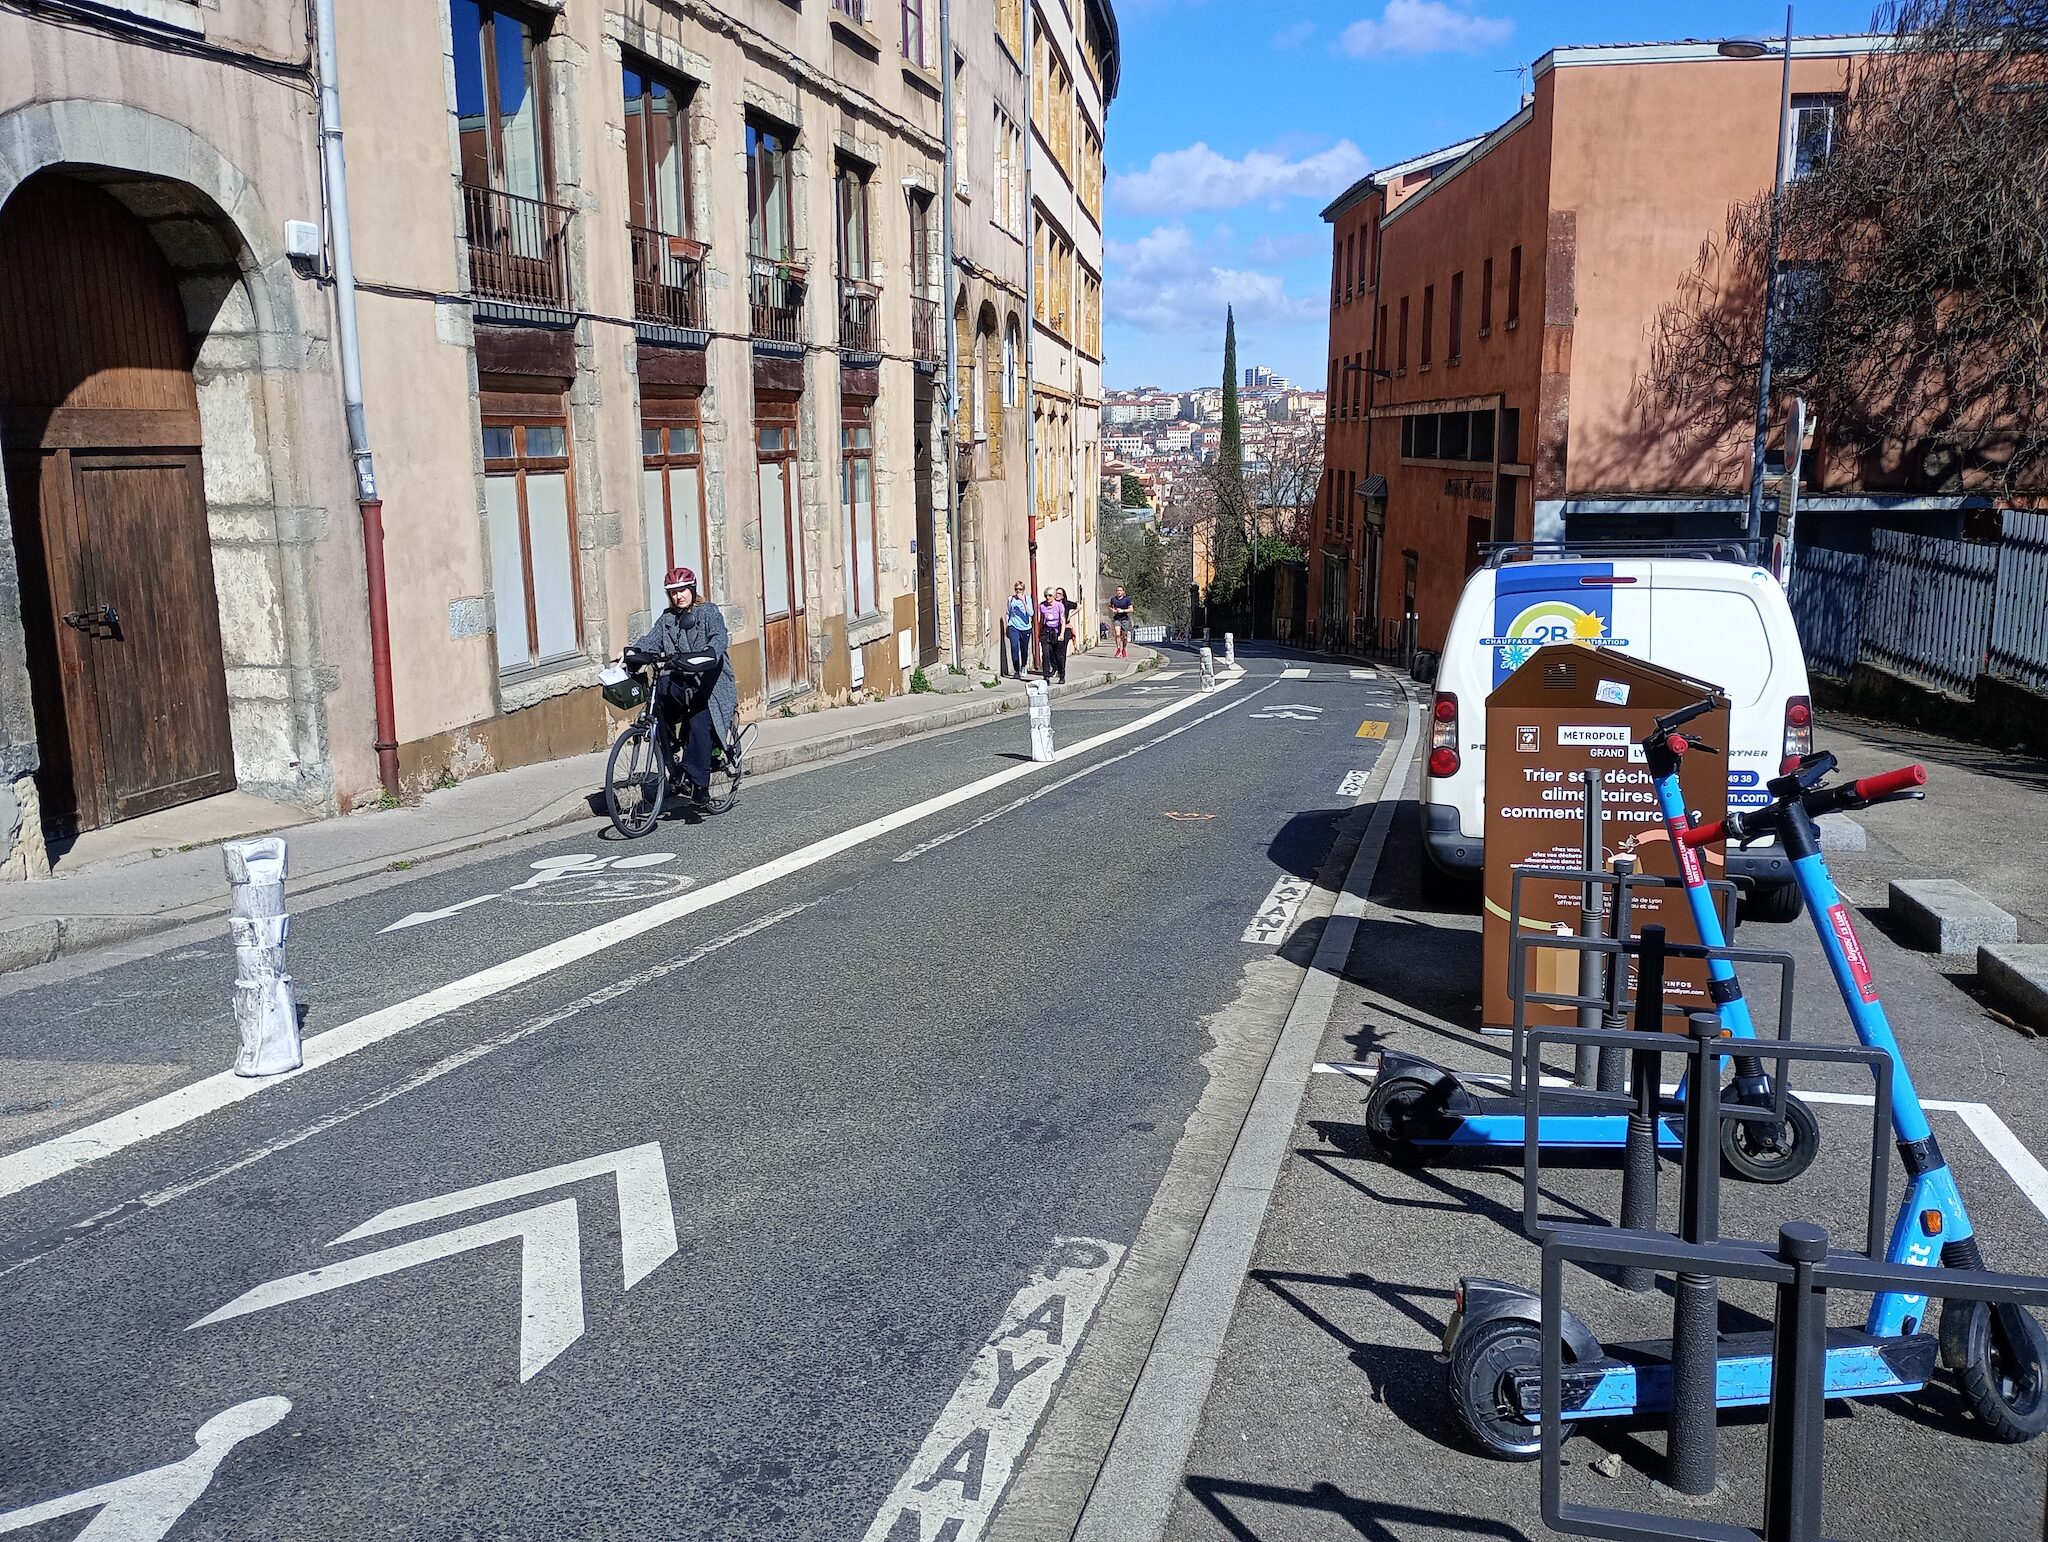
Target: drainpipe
952,420
368,504
1030,346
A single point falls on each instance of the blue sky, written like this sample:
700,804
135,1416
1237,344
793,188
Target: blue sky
1235,124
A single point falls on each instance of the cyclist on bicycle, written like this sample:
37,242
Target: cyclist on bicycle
697,708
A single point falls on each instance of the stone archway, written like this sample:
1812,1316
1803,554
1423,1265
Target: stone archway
236,292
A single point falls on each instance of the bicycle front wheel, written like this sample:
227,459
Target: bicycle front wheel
635,782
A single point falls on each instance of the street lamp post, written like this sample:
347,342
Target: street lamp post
1744,48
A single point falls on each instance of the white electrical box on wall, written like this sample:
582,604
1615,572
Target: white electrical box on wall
302,240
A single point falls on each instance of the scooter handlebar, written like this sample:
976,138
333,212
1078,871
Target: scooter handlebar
1885,783
1706,834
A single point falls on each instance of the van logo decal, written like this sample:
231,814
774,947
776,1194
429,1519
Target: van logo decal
1525,621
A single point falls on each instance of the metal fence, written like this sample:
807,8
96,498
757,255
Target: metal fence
1827,604
2019,619
1927,608
1936,611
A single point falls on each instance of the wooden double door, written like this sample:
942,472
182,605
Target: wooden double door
99,443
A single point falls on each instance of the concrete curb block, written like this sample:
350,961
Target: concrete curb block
1940,915
2016,973
42,940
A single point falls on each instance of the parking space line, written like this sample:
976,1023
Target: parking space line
2025,1169
65,1153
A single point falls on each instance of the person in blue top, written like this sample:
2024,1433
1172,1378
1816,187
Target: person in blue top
1018,618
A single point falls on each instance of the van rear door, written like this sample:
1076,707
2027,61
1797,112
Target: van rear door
1707,623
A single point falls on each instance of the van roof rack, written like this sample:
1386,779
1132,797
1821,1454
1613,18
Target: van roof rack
1498,553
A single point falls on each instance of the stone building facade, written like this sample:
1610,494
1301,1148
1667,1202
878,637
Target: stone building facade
640,283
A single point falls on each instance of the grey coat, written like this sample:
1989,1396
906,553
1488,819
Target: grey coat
700,629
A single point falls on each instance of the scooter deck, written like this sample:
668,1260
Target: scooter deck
1559,1132
1636,1378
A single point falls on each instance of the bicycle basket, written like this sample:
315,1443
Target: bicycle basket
624,688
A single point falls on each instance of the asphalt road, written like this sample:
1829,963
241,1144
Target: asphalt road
869,1094
1330,1417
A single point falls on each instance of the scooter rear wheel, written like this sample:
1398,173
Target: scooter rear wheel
1482,1371
2005,1369
1758,1152
1395,1116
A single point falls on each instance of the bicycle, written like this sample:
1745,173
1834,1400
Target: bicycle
638,771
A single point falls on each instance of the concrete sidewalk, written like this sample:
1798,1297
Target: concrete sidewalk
147,888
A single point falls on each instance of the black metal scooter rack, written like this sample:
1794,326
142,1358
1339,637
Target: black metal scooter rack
1801,1264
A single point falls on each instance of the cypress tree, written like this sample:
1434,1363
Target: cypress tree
1233,518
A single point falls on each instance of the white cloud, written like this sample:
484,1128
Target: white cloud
1198,178
1424,27
1164,282
1294,34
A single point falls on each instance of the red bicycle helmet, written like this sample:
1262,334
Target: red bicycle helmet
679,578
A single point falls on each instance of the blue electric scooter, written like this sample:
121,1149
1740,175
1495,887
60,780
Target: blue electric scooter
1417,1107
1999,1353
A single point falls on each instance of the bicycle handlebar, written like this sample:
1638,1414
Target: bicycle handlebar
1821,800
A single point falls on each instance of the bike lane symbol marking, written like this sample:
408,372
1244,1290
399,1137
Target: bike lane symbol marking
144,1507
573,878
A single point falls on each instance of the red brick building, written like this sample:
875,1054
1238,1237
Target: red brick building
1491,320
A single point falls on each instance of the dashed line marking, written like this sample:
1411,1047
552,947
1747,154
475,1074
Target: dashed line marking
1294,674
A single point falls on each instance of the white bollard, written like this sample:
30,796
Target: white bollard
266,1011
1041,719
1208,670
1230,650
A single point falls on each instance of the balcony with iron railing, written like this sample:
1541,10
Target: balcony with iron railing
927,342
668,279
518,248
859,306
775,298
852,10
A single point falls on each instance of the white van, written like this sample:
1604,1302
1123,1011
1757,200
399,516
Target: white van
1682,607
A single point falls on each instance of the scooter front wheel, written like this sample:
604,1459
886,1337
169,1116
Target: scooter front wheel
1483,1368
2004,1368
1759,1151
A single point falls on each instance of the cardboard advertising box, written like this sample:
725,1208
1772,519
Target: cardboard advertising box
1571,708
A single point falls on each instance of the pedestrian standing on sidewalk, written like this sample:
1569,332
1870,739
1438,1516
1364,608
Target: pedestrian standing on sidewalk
1019,628
1052,651
1120,616
1070,628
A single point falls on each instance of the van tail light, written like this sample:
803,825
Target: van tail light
1443,735
1798,733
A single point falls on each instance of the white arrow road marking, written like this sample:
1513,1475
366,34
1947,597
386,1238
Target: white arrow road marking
422,917
960,1473
647,1218
551,1264
145,1507
1276,911
1300,711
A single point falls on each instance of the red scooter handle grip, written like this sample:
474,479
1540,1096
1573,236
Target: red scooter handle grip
1705,835
1885,783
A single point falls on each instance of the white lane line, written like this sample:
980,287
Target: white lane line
1993,1133
39,1163
1275,914
1296,673
1166,674
1051,787
965,1464
129,1210
1352,785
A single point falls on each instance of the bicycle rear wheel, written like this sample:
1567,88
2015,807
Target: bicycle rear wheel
635,782
727,766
